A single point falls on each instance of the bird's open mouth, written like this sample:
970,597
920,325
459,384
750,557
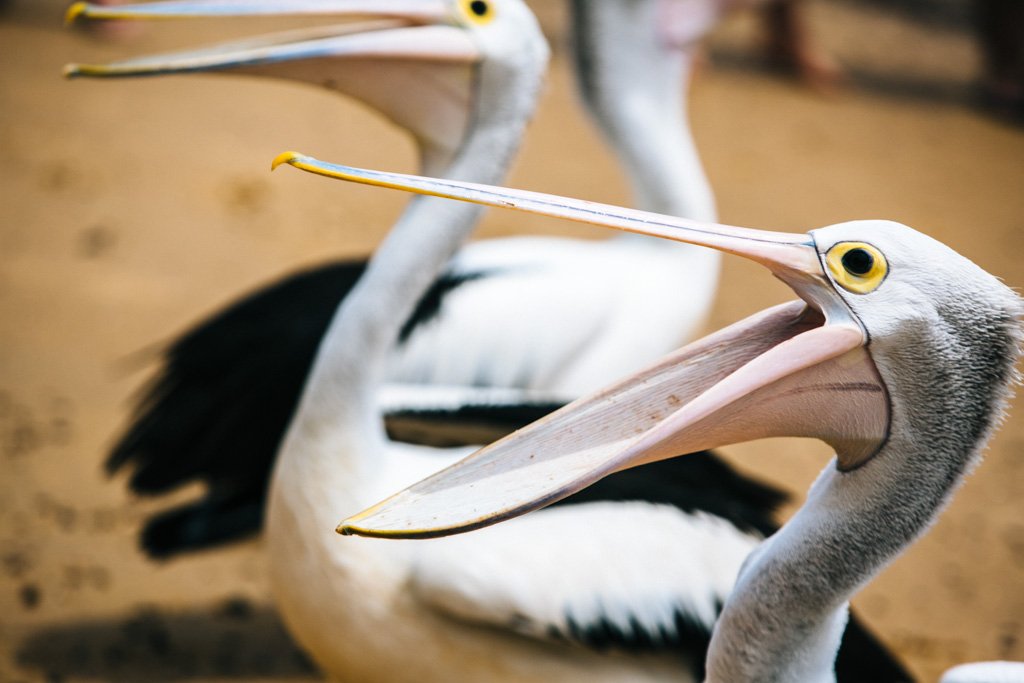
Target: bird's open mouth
387,28
776,373
413,61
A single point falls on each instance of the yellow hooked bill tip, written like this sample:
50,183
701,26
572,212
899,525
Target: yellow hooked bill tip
76,70
349,526
284,158
76,10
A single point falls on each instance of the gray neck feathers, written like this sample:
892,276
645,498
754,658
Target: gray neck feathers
949,390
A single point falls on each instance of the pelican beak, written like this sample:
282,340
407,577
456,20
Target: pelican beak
381,37
419,10
410,59
777,373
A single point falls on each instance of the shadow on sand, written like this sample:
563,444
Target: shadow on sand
236,640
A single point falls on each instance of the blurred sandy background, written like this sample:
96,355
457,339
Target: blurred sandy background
128,209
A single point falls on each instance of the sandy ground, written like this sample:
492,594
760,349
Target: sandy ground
131,208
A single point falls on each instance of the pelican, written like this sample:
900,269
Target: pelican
900,354
544,318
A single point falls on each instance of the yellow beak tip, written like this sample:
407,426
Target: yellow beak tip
286,158
71,70
74,11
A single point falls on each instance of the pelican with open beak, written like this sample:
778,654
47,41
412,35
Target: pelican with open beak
772,374
901,354
411,60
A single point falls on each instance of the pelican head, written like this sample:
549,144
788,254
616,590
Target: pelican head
420,63
896,340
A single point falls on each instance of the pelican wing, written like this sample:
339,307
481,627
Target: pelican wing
640,562
608,575
450,416
224,391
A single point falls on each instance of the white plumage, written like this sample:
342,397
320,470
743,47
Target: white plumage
986,672
632,564
493,607
559,316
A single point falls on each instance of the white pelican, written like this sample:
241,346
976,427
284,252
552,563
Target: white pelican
555,317
901,355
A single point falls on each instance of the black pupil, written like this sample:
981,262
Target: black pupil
478,7
858,261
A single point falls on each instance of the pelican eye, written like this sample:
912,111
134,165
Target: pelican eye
478,11
858,262
856,266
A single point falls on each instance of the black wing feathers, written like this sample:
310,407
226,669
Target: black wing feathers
863,658
219,405
212,521
696,482
467,425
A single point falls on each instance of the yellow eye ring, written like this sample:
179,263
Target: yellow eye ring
858,267
478,11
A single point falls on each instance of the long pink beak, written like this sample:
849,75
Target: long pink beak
410,29
798,369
